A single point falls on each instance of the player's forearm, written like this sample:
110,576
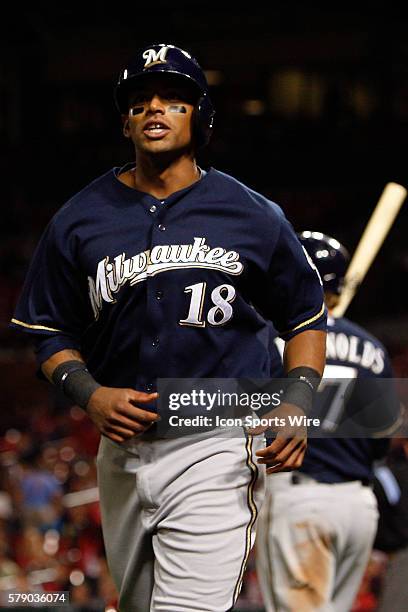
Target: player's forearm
307,349
67,370
304,360
49,366
113,410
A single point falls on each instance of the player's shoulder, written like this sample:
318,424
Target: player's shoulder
94,193
98,199
240,193
350,328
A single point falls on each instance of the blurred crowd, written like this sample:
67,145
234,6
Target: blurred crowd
50,534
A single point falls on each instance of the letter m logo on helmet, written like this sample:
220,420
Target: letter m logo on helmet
153,57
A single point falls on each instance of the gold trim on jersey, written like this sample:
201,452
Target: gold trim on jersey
44,327
254,513
319,314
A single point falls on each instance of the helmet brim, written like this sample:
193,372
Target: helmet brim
135,81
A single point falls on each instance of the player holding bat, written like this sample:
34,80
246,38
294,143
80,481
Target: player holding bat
318,523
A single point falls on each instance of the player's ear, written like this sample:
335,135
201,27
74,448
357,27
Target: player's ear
125,126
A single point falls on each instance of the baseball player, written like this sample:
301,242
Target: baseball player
160,269
318,523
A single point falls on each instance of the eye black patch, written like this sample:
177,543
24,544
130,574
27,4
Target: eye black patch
177,108
136,110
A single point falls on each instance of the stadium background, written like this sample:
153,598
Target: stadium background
312,111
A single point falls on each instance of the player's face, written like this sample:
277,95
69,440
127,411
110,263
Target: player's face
160,115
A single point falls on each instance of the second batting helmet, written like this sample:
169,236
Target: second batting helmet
169,59
330,258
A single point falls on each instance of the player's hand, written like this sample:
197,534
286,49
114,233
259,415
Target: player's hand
119,413
288,449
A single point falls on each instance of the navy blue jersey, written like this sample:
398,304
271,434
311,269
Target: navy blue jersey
351,353
147,289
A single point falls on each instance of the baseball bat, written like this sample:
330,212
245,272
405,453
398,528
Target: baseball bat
370,242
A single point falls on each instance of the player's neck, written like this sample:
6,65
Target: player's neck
163,179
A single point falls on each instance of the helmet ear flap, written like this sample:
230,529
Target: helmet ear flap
203,121
330,258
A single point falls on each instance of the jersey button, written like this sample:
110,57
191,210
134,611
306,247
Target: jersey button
159,295
155,342
162,227
153,208
149,387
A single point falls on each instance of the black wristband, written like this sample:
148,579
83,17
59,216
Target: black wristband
308,375
74,380
301,389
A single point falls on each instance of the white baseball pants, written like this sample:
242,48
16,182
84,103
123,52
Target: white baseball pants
178,519
313,543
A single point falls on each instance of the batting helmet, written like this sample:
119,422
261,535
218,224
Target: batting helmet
330,258
163,58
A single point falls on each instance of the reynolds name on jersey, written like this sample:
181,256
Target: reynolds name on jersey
355,351
349,344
